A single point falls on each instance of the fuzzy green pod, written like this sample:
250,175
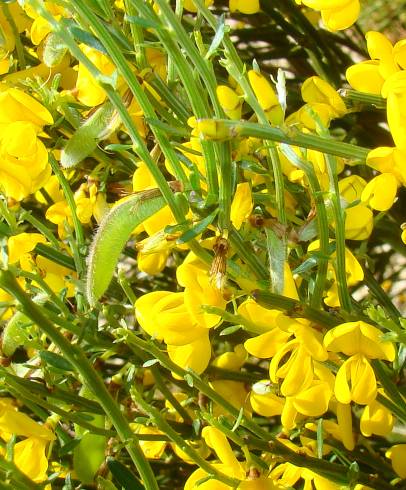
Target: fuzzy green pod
113,233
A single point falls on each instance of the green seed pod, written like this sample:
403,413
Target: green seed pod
113,233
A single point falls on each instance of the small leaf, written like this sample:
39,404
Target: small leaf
83,36
85,139
221,29
123,476
68,447
88,455
117,147
56,361
230,330
197,229
277,256
15,333
54,50
150,362
189,379
145,23
113,233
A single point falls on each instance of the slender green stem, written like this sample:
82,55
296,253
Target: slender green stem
90,377
70,199
363,98
292,136
138,38
163,425
339,218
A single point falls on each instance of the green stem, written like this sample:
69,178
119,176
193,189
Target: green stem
138,38
363,98
90,377
293,137
70,199
339,218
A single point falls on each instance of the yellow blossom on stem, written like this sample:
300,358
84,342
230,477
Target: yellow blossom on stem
245,6
397,455
24,168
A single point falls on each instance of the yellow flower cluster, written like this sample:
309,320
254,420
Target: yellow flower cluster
385,75
255,198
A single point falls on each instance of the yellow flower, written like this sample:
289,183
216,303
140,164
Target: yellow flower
336,14
361,342
30,457
266,96
191,7
199,291
29,454
232,361
264,401
397,455
242,205
24,167
359,338
365,77
380,192
21,244
376,419
388,160
16,105
395,91
317,90
164,315
229,101
195,355
89,92
245,6
355,381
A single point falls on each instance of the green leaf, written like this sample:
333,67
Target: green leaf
15,333
199,228
82,36
89,454
55,256
145,23
277,256
221,29
56,360
68,447
54,50
113,233
123,476
230,330
150,363
84,141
